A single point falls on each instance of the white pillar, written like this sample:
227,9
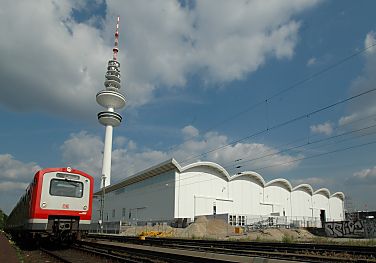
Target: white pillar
106,168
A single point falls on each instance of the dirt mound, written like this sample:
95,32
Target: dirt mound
202,227
280,234
201,219
219,229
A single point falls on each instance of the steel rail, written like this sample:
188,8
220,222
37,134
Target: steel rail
55,255
105,254
311,252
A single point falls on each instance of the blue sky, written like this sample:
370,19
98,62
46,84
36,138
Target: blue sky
197,77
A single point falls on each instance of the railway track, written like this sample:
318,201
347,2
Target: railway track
83,254
287,251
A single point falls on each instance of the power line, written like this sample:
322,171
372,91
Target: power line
336,143
171,183
316,155
282,124
305,138
302,145
290,87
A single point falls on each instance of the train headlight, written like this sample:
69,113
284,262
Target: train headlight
44,204
69,169
85,207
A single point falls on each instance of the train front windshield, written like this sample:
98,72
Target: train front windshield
66,188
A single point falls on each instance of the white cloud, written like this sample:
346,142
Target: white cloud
312,61
83,151
13,170
10,186
48,61
364,107
324,128
369,41
53,63
15,176
365,176
347,119
366,173
190,131
120,141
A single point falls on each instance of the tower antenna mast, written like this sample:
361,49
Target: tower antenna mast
111,99
116,46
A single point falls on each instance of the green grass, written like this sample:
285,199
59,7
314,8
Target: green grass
288,239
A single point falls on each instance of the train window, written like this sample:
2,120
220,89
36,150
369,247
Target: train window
66,188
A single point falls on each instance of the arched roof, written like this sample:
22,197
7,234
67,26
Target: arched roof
322,191
340,195
282,181
212,165
252,175
304,187
172,164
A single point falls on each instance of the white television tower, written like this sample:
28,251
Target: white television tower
111,99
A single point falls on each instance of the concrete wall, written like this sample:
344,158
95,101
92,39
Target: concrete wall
301,202
336,208
198,190
278,198
148,200
320,202
247,195
358,228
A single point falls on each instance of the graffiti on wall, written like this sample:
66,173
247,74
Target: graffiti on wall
357,228
370,228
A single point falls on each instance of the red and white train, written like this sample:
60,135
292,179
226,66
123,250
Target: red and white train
57,204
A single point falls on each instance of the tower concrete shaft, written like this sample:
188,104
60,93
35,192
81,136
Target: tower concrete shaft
111,99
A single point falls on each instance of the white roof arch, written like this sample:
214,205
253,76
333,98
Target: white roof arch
257,177
212,165
322,191
282,181
340,195
304,187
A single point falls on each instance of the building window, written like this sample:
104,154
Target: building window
113,212
242,220
123,213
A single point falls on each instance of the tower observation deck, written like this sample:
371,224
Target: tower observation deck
111,99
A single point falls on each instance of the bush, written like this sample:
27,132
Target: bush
287,239
3,218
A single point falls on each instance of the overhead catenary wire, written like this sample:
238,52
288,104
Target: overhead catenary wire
301,145
316,155
335,142
168,183
282,124
171,183
238,160
267,101
278,93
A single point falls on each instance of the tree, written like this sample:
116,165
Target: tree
3,218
